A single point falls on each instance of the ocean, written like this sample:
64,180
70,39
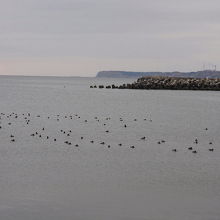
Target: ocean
68,151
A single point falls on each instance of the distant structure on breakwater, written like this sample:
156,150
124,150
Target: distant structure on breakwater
125,74
171,83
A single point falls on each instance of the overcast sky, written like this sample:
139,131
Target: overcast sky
82,37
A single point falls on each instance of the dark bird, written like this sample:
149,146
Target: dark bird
143,138
102,143
174,150
211,149
125,126
194,151
91,141
120,144
210,143
132,147
190,148
76,145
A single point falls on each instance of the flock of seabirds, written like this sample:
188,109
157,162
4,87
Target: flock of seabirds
42,134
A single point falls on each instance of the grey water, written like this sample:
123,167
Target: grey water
45,179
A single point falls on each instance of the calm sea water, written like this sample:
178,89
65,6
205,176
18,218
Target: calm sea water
45,179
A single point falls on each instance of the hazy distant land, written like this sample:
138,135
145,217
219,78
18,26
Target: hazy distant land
129,74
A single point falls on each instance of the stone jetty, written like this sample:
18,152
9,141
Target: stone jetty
172,83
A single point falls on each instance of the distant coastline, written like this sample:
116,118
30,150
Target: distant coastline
128,74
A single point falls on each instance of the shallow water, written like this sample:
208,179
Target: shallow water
45,179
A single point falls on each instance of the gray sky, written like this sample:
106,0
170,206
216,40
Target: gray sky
82,37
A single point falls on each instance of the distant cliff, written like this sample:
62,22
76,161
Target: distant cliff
126,74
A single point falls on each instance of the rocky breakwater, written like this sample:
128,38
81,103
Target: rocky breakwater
172,83
175,83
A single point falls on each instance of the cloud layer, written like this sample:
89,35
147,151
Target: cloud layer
142,35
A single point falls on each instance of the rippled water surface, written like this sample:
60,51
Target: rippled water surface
99,167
